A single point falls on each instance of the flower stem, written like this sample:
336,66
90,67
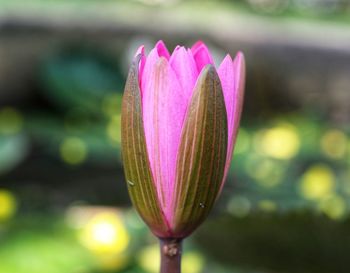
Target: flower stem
170,255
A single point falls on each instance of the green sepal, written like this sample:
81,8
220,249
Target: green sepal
135,159
202,154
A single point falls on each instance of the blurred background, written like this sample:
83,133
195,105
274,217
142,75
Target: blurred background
64,207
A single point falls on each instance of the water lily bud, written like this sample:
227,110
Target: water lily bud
180,117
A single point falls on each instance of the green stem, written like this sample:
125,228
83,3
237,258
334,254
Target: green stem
170,255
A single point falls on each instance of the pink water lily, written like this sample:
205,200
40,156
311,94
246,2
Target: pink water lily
180,120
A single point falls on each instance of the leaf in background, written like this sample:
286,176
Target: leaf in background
80,78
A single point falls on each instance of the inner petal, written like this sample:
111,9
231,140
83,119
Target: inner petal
184,66
201,55
226,73
232,76
162,50
150,62
164,107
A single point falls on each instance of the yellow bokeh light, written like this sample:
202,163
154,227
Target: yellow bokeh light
105,234
149,260
267,205
281,142
334,144
192,262
102,231
8,205
11,121
267,172
114,262
317,182
334,207
113,129
73,150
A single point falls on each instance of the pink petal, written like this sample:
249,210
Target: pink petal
185,69
226,74
162,50
201,55
150,62
141,51
239,68
232,77
164,109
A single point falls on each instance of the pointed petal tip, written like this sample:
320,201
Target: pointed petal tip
176,49
240,53
140,51
209,69
226,61
239,62
162,49
228,57
135,63
160,42
209,74
178,53
198,44
240,57
201,55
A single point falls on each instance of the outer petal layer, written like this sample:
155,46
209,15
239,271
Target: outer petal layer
202,154
136,165
164,109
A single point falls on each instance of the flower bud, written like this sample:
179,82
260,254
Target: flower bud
180,118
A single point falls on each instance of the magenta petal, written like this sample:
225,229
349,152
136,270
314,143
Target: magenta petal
164,109
162,50
184,66
232,77
197,45
201,55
